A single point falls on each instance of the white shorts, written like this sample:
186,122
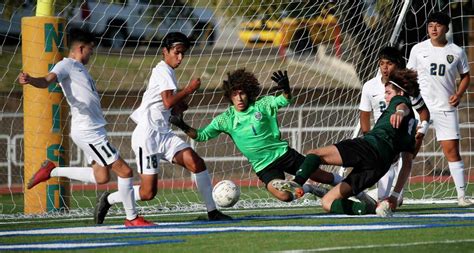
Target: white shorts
446,125
96,146
151,146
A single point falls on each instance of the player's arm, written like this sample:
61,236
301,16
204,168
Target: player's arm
283,83
456,98
402,110
170,99
421,132
364,121
177,120
203,134
38,82
407,161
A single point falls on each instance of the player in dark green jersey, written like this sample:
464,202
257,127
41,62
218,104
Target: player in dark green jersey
252,124
371,155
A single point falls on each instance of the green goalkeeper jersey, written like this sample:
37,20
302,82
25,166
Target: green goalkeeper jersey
254,131
388,141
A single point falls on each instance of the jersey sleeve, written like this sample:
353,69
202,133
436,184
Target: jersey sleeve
463,66
411,64
162,80
365,104
61,69
417,102
396,101
271,104
217,126
281,101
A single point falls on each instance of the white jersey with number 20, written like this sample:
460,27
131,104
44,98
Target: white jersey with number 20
437,69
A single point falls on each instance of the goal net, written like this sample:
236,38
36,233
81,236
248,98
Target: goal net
328,47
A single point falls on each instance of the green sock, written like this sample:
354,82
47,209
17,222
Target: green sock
310,164
346,206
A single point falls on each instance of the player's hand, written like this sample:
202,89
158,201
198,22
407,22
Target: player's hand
454,100
396,119
418,141
393,201
179,108
23,78
281,78
193,85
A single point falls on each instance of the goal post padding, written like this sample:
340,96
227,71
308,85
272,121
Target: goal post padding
45,136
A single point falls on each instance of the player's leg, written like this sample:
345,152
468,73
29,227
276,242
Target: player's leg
126,192
446,125
273,175
148,161
85,141
384,185
336,200
367,170
181,153
290,163
314,158
337,193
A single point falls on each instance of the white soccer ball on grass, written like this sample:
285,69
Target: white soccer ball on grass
226,193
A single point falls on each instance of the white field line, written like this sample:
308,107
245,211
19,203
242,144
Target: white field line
256,212
373,246
120,229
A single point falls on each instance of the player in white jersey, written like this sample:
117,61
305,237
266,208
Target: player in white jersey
373,101
153,140
87,126
438,62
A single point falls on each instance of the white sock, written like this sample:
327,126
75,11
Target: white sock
457,172
337,178
115,198
384,185
125,190
204,185
83,174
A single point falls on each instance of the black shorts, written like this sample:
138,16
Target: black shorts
368,167
288,162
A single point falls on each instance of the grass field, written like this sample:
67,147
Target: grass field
415,228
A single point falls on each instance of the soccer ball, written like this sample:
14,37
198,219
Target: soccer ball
226,193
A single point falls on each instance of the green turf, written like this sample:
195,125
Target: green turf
440,238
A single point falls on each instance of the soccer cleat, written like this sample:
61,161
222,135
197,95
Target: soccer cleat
289,186
43,174
370,203
102,207
316,190
139,222
383,209
216,215
464,202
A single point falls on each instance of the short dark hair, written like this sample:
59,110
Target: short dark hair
407,79
171,39
440,18
80,35
241,80
394,55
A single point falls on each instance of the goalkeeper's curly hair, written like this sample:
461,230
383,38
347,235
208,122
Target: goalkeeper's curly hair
241,80
407,79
